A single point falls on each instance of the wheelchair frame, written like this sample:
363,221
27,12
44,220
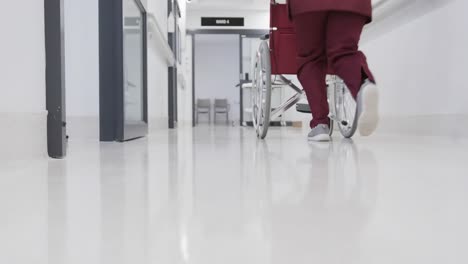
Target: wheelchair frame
276,56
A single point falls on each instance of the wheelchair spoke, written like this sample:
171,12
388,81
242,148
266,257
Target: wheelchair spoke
261,92
345,107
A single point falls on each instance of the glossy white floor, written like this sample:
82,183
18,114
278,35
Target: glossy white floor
219,196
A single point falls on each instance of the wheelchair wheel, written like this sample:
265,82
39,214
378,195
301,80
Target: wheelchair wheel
261,91
346,109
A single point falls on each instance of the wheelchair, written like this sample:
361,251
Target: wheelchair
275,58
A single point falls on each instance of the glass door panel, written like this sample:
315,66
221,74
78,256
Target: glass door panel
134,70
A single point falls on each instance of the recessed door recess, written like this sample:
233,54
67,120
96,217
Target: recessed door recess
123,70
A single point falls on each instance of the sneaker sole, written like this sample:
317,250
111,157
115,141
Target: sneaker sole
319,138
369,118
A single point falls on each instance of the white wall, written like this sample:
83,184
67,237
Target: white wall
22,79
185,89
159,9
82,68
420,64
217,69
184,95
254,19
22,56
82,57
157,89
416,49
183,20
157,70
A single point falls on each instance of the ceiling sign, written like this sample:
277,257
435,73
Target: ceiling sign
222,21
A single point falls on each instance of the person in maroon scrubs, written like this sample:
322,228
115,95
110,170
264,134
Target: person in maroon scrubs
328,34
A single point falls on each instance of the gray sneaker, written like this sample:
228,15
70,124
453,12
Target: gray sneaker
368,108
320,133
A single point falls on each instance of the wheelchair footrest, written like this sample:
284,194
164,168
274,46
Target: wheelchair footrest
303,108
275,124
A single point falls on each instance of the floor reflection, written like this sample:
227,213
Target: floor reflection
266,215
23,211
57,212
124,203
222,196
323,221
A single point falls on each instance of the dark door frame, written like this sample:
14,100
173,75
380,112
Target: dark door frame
55,78
174,43
111,74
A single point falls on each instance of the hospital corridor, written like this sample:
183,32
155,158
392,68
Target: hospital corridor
233,132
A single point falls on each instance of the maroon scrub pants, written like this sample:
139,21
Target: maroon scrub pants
327,43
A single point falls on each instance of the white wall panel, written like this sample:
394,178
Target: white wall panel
22,56
82,58
22,80
420,64
158,70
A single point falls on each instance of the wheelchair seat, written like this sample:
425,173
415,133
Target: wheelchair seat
303,108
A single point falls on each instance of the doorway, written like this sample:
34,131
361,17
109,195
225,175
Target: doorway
206,67
123,70
122,67
217,69
82,69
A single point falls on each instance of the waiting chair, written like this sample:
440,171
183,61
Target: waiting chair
221,106
203,106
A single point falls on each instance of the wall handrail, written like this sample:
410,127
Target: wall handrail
160,39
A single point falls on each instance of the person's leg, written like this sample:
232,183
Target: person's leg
312,61
343,34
